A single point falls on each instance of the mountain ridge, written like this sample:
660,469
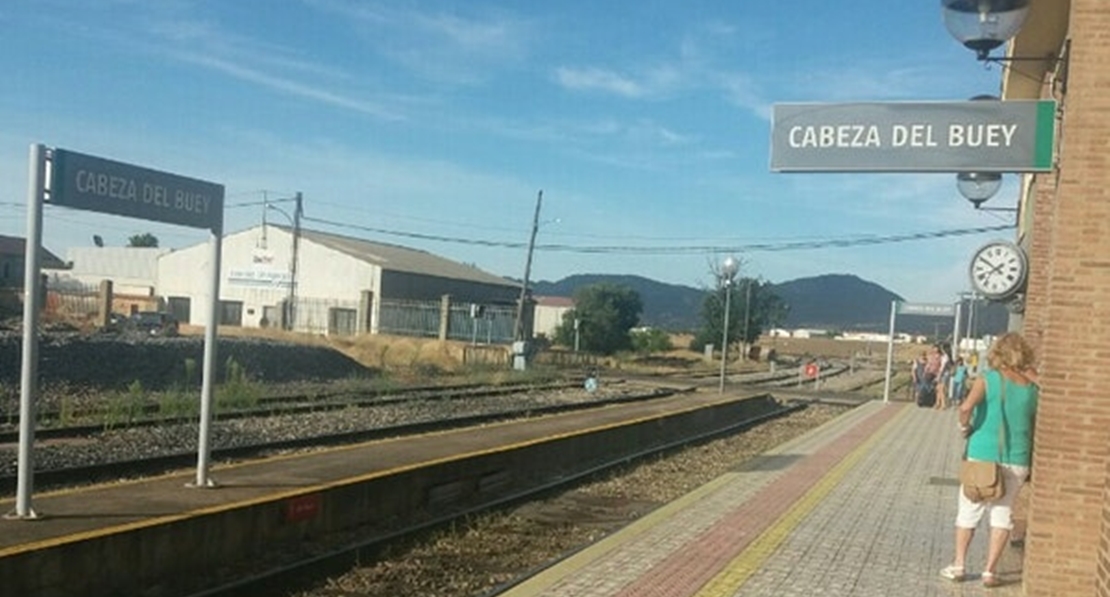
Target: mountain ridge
835,302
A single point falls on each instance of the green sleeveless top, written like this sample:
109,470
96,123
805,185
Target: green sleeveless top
1021,409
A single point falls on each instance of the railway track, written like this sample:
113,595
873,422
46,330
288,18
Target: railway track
286,404
107,471
287,578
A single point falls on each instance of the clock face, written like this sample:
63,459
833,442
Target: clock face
998,270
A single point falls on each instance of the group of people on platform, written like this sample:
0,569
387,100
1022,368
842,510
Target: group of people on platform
935,375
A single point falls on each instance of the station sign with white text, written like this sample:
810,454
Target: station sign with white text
932,309
969,136
96,184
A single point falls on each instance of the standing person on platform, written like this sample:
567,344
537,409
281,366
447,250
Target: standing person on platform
917,375
1002,405
932,374
959,378
944,374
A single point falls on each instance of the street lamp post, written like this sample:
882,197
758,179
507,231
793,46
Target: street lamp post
288,313
728,271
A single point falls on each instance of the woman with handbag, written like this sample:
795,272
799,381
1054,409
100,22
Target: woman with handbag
997,418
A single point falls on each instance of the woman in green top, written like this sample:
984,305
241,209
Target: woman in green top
997,418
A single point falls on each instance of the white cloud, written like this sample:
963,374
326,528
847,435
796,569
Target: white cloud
464,47
290,87
596,79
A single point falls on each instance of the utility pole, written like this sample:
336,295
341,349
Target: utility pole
298,210
519,326
747,312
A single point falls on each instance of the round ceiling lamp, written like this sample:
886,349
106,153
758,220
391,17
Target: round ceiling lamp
977,187
983,25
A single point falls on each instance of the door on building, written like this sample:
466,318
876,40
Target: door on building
179,307
271,317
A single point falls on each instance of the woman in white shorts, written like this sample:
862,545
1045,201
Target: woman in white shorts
1001,405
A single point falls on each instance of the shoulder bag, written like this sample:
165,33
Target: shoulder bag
982,481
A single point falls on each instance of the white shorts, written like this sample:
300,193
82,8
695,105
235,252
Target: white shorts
970,513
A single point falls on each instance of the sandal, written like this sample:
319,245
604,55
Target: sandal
953,573
990,580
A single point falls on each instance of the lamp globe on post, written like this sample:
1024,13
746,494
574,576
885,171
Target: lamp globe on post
983,25
728,271
977,187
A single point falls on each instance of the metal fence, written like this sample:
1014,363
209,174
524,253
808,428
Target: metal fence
71,299
490,324
484,324
409,318
326,316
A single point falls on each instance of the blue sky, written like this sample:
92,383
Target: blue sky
646,124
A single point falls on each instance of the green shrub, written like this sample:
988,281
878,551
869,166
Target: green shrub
125,407
238,391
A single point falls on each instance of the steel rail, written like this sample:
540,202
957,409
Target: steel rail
155,465
295,404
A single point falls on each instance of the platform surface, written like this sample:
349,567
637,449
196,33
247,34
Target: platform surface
97,511
863,506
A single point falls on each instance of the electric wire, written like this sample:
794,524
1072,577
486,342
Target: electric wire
676,249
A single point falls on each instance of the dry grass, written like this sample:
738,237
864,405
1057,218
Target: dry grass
420,356
389,353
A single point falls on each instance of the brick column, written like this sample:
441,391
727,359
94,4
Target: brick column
1069,321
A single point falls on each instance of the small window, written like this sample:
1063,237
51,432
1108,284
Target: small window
231,313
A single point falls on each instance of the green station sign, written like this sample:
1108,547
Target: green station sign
968,136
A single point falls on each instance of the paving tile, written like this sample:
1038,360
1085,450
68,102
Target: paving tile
862,507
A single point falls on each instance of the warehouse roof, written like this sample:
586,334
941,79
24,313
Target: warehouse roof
402,259
15,246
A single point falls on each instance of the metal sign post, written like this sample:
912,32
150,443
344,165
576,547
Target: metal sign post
91,183
890,351
28,387
204,450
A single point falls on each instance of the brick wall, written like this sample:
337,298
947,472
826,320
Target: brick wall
1068,318
1103,578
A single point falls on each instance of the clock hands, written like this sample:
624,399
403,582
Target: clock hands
998,269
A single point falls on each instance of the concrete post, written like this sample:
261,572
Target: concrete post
104,304
444,315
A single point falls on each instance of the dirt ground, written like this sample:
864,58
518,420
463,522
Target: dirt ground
400,353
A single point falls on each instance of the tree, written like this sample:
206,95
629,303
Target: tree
753,308
651,340
606,313
145,239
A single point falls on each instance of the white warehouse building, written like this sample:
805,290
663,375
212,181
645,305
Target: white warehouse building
336,285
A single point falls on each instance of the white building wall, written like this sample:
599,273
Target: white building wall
255,270
547,318
132,270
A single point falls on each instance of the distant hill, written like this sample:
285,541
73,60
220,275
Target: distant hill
666,306
836,302
841,302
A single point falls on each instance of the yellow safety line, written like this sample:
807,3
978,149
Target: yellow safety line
570,566
310,489
748,562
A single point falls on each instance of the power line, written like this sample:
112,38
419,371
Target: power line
677,249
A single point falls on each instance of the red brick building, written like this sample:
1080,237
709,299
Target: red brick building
1066,231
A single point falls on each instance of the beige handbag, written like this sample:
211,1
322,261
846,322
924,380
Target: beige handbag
982,481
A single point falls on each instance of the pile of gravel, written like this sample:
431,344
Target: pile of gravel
116,361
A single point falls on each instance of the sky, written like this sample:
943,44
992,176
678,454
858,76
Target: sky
437,124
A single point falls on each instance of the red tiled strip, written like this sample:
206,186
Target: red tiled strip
686,570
